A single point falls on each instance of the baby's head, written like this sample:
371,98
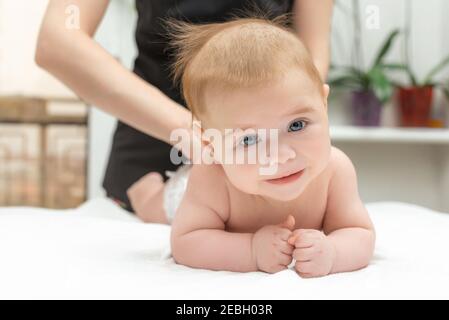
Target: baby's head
253,75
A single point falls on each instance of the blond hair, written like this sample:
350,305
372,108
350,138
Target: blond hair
242,52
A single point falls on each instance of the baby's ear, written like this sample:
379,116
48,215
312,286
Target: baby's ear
198,133
207,149
326,91
197,129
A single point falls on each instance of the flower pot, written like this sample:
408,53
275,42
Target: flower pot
415,104
366,108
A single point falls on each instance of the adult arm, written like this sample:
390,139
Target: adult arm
72,56
312,21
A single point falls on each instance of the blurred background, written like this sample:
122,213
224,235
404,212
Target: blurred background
389,109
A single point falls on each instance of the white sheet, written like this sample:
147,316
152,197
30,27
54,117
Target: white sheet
100,251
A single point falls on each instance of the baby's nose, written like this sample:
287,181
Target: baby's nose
284,154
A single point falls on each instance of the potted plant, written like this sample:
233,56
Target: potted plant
370,89
415,100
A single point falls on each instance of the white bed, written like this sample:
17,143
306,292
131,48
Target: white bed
100,251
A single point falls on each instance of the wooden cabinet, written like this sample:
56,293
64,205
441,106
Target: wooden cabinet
42,152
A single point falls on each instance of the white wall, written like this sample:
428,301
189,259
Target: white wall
428,33
19,27
398,172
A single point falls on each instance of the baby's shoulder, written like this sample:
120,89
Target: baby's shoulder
207,183
338,158
208,174
340,165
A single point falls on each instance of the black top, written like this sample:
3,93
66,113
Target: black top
133,153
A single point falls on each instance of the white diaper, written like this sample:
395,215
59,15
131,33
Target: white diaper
175,188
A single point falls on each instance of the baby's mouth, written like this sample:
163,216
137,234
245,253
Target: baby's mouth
286,178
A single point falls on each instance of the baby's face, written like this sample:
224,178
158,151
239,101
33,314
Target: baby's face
297,110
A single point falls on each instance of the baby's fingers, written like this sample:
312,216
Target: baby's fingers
286,248
304,254
303,238
285,259
304,267
295,235
284,234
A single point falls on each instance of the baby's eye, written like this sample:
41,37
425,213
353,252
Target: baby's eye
249,140
297,125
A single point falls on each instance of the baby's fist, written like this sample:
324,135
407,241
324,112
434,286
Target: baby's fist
314,253
271,251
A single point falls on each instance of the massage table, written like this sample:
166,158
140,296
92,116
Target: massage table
100,251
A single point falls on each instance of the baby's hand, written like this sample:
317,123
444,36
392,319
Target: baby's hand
314,253
271,251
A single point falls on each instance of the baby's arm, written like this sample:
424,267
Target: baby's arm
348,240
199,239
347,223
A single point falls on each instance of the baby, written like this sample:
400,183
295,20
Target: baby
300,203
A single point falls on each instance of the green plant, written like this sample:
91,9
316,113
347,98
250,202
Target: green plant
428,80
375,78
445,88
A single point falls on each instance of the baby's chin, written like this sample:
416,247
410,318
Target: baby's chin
283,197
284,194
